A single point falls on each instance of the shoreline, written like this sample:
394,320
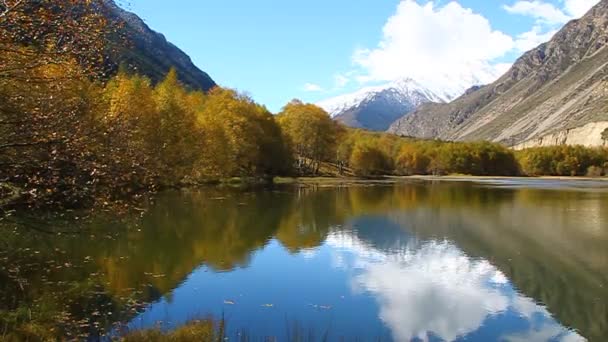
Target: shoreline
588,182
307,179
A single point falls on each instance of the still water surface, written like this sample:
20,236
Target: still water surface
437,261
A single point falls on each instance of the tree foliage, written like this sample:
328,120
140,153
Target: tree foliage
562,160
70,137
368,160
311,134
54,32
241,138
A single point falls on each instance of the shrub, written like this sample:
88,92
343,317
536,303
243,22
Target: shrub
367,160
412,160
561,160
595,171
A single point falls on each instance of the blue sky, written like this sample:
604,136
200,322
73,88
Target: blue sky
279,50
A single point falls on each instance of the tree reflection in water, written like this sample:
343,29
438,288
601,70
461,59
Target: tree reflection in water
438,258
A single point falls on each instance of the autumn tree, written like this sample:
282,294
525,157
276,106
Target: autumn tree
129,121
561,160
174,140
311,134
368,160
55,32
48,50
241,138
413,160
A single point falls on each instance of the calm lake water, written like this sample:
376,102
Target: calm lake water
498,260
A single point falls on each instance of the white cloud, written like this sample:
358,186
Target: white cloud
448,48
542,11
549,19
550,14
577,8
341,80
533,38
311,87
432,43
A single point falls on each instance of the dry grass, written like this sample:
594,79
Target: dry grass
194,331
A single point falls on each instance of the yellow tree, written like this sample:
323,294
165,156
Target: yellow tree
412,160
129,122
56,32
311,133
241,137
368,160
48,51
175,140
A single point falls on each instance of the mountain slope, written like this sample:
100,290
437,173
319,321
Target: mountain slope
555,87
376,108
147,52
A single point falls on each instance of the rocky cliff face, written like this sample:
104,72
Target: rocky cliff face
558,86
587,135
147,52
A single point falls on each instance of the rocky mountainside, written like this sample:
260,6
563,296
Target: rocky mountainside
376,108
147,52
556,87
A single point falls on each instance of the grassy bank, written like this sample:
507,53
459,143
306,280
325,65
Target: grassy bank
194,331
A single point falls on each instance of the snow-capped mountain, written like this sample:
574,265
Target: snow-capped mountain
377,107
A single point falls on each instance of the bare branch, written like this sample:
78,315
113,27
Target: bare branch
30,144
7,8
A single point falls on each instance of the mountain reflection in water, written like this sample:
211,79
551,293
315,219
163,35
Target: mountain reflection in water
414,261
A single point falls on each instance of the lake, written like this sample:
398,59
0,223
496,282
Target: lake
495,260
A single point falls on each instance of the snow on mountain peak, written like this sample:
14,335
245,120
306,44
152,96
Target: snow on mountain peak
404,90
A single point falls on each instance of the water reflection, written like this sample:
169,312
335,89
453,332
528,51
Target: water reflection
431,290
412,261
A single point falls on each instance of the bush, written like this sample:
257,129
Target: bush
595,171
367,160
412,160
476,158
561,160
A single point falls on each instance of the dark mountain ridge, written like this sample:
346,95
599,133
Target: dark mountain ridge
147,52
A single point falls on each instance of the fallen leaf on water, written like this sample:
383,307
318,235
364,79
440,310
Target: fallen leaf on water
322,307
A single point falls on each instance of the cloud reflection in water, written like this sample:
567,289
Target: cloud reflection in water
433,289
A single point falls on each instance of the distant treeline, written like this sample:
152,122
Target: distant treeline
377,154
69,140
